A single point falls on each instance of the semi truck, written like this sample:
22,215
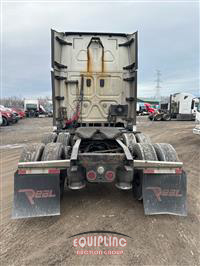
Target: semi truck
196,130
181,106
145,109
95,139
33,108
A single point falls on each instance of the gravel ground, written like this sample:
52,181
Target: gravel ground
157,240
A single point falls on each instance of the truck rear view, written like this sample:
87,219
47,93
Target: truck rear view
94,79
94,90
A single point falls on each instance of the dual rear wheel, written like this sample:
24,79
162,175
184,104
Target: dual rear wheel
152,152
53,147
141,148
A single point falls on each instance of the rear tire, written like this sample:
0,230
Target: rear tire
166,117
67,151
142,138
166,152
157,117
49,137
32,153
53,151
64,138
5,122
141,151
129,140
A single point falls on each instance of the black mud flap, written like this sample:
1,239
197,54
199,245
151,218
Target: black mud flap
36,195
165,194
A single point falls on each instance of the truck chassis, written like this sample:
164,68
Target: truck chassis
151,171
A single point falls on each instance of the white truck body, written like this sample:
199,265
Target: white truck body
196,130
184,105
31,103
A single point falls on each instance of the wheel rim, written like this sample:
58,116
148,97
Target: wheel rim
4,122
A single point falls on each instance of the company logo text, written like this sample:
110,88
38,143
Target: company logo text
158,192
32,194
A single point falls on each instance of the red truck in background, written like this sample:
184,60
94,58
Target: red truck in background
149,109
146,109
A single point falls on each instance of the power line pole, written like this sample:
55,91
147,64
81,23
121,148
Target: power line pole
158,87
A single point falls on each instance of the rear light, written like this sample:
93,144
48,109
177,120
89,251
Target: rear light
162,171
38,171
110,175
54,171
91,175
149,171
21,172
179,170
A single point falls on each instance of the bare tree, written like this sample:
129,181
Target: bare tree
12,101
18,102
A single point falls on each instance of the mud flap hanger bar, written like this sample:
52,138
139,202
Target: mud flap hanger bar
63,164
143,164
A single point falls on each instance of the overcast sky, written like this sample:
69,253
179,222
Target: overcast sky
168,41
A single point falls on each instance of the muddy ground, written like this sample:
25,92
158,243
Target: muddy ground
157,240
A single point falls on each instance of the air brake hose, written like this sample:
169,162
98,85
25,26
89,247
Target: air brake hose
76,116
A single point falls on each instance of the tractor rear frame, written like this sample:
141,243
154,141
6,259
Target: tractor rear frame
161,185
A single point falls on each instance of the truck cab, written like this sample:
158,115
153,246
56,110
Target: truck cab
196,130
183,106
31,107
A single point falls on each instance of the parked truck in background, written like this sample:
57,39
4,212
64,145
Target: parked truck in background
95,139
196,130
33,108
145,109
182,106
